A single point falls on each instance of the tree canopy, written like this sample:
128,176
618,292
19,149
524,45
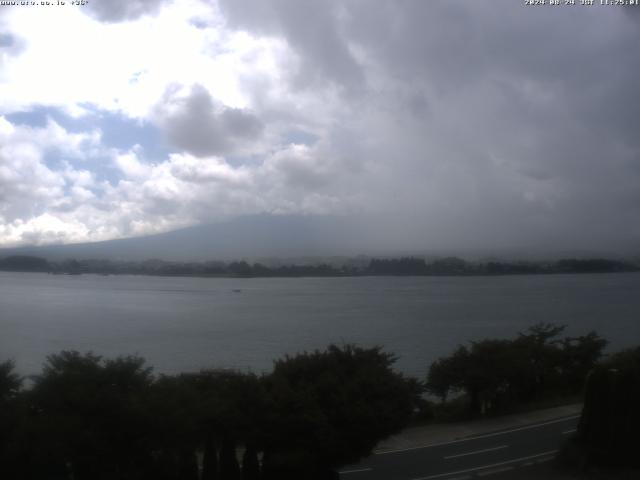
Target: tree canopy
610,419
90,418
496,374
85,417
331,408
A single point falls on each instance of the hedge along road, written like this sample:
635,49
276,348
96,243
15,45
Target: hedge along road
480,455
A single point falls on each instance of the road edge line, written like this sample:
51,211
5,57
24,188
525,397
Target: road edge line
475,437
483,467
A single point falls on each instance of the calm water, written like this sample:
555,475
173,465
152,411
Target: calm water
182,324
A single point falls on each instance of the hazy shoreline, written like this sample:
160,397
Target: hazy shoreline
356,267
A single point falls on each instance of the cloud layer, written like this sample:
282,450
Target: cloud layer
195,124
465,124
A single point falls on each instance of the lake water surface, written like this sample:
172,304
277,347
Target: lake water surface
183,324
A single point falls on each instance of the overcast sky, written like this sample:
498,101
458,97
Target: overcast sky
466,123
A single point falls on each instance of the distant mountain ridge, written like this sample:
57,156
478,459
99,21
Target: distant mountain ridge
290,237
255,236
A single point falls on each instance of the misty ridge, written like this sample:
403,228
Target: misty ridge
303,239
296,245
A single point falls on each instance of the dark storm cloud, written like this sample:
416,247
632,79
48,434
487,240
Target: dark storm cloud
198,125
502,116
122,10
454,123
632,11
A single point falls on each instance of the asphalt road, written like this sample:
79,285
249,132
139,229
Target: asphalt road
474,457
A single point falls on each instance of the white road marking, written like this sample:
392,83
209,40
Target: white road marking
477,451
484,467
468,439
493,471
344,472
544,460
567,432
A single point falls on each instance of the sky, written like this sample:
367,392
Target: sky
476,123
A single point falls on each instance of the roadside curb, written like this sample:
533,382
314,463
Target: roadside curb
417,437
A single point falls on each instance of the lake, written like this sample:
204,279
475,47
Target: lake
184,323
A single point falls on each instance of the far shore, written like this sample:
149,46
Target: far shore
355,267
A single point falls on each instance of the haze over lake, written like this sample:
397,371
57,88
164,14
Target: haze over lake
183,324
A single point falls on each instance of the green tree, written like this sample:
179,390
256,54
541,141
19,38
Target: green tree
91,414
483,372
608,427
496,374
446,375
579,356
173,404
540,369
331,408
230,411
10,382
250,464
10,425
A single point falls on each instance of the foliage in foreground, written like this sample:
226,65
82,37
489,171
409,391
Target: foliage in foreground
495,375
608,429
86,417
90,418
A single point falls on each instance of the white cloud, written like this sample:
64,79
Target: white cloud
28,187
195,123
70,59
197,170
66,202
130,165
